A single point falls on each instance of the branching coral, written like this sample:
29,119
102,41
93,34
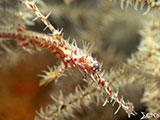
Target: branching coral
142,69
142,4
70,56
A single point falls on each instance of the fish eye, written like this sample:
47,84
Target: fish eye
96,67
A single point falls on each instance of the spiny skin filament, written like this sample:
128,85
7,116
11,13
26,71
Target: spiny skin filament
68,54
